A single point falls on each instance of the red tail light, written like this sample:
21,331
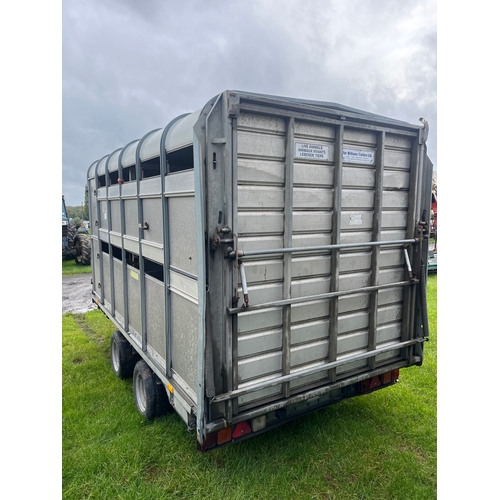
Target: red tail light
224,435
241,429
374,383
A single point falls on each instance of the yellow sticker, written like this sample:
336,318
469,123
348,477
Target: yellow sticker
170,388
134,275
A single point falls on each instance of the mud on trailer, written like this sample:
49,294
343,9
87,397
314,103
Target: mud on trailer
261,258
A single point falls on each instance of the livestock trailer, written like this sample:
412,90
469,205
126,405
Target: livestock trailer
261,258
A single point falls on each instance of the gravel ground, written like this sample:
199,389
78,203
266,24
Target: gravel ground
77,294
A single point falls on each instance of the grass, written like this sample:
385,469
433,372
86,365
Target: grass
377,446
70,267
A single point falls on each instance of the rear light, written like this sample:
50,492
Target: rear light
375,382
224,435
241,429
228,433
258,423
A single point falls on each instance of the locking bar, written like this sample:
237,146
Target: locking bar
277,251
310,298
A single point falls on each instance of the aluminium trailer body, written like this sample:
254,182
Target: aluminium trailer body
264,257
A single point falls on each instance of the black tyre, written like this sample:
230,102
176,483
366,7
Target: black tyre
123,356
71,234
68,253
82,245
149,392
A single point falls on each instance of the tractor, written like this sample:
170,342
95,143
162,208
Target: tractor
75,242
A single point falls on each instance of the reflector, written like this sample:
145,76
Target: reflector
258,423
241,429
374,382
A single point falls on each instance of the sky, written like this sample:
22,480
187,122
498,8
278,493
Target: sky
129,67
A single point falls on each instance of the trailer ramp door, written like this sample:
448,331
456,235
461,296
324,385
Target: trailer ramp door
323,211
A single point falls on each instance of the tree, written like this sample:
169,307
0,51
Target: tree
86,204
77,222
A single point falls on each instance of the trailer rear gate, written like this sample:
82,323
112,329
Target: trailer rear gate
314,213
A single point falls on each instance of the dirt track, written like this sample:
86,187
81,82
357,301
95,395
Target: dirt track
76,294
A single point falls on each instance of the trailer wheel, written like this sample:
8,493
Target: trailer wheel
82,245
123,356
149,392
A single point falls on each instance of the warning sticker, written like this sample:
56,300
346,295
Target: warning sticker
358,156
311,151
134,275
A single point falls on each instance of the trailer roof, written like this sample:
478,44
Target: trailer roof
179,132
321,104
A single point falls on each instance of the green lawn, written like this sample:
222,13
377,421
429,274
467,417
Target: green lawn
70,267
376,446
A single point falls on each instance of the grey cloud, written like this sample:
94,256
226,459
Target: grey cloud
129,67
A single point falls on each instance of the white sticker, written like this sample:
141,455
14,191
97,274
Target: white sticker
355,220
358,156
311,151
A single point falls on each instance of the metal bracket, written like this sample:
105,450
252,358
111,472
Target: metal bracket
216,241
423,133
233,105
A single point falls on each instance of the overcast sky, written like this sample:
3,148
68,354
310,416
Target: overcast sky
130,66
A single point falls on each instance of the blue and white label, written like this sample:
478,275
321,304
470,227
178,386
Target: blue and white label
358,156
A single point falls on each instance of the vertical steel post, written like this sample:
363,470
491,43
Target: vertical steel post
376,235
99,254
140,221
287,257
335,258
199,187
167,314
110,228
122,228
232,152
104,278
408,291
230,274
